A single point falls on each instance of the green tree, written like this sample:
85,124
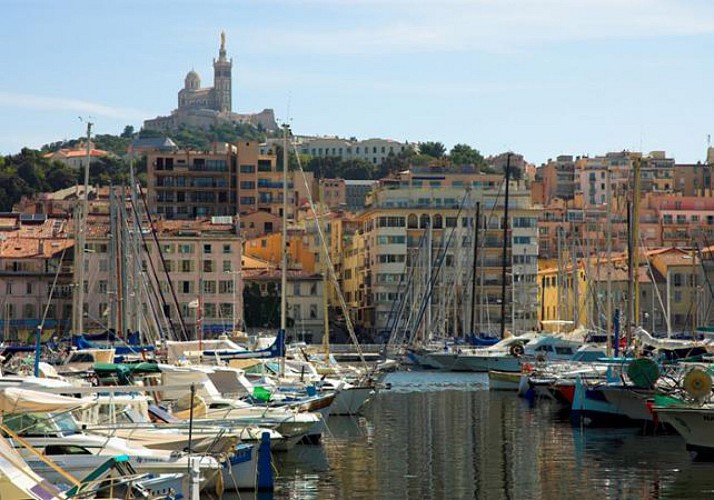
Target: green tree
60,176
463,154
128,132
357,169
433,149
328,167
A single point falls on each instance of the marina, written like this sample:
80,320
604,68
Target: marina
319,251
445,435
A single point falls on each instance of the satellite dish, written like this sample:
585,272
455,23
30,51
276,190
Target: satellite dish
697,383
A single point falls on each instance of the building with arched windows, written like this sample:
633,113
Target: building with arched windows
412,255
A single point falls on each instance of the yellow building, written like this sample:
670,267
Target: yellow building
559,289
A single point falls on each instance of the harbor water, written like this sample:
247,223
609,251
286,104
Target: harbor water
446,436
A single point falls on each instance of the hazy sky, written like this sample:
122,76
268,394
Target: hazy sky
540,77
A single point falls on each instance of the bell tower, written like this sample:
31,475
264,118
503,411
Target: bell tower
222,86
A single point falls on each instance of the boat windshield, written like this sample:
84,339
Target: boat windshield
41,424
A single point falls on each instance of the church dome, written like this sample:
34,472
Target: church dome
192,81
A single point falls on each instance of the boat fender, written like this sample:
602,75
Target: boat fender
516,350
527,368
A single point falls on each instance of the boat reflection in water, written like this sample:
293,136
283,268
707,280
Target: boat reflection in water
444,435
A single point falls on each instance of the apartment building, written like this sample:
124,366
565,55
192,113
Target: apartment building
305,312
671,286
36,253
656,175
438,205
356,192
189,285
374,150
223,181
558,178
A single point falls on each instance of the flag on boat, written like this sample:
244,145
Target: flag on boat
193,304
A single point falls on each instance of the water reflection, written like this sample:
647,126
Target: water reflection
446,436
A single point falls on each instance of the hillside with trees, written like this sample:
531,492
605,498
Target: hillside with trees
27,172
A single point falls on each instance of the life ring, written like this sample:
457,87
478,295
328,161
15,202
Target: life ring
517,350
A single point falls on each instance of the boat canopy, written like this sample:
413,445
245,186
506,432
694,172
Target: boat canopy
17,400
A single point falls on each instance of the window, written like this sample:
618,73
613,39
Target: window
227,267
104,265
226,310
207,266
186,266
186,286
227,248
313,289
185,248
102,286
225,286
209,310
296,289
207,248
209,287
313,311
28,311
29,288
8,288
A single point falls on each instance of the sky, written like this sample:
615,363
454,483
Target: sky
538,77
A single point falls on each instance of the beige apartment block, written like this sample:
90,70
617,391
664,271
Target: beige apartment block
35,253
189,285
403,211
220,182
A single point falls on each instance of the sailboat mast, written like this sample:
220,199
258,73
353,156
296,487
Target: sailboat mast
429,283
473,280
608,231
78,316
635,319
325,281
284,261
504,259
630,276
284,256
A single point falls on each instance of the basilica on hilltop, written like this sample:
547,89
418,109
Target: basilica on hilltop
206,106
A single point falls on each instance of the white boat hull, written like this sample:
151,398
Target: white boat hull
471,362
504,381
350,401
695,425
